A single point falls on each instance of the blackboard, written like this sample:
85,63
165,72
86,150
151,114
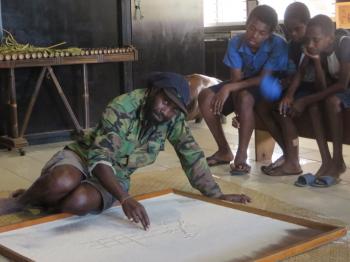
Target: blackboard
85,23
81,23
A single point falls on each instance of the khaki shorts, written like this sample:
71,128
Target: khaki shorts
68,157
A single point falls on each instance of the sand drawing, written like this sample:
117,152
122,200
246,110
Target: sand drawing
140,238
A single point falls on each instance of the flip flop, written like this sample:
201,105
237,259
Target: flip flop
275,172
216,161
240,169
325,181
305,180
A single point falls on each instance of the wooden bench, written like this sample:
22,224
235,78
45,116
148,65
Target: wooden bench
264,143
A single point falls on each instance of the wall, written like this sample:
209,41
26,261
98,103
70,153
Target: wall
215,50
169,37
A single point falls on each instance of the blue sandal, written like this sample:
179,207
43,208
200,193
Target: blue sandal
305,180
325,181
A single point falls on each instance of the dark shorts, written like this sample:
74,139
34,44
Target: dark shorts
304,89
68,157
229,105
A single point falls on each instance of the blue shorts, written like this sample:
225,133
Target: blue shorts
229,106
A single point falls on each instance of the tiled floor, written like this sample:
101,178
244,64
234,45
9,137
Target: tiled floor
334,202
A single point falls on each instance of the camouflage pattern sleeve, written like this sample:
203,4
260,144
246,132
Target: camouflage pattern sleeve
107,138
192,158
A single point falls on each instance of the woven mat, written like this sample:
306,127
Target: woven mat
146,182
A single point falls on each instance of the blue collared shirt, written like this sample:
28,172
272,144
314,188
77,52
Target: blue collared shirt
272,55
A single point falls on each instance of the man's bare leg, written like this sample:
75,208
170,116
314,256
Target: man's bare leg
82,200
213,122
47,190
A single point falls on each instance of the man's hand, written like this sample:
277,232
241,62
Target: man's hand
132,209
241,198
219,100
135,212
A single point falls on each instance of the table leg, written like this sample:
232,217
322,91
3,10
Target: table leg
65,101
33,100
86,98
13,140
13,105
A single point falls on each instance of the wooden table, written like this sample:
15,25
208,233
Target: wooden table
15,137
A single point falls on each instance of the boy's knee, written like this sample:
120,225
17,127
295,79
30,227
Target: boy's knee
333,104
246,100
205,97
313,110
204,101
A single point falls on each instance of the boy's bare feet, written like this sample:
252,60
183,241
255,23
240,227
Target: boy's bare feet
220,158
286,169
336,169
240,158
10,205
279,162
323,170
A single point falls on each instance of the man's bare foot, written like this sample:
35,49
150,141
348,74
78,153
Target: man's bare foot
10,205
17,193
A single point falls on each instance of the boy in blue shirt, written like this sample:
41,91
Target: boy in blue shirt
249,56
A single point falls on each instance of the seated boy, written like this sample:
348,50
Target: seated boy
282,127
250,56
330,57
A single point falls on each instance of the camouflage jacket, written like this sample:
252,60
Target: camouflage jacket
120,142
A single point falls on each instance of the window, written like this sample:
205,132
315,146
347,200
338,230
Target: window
224,12
231,12
315,6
